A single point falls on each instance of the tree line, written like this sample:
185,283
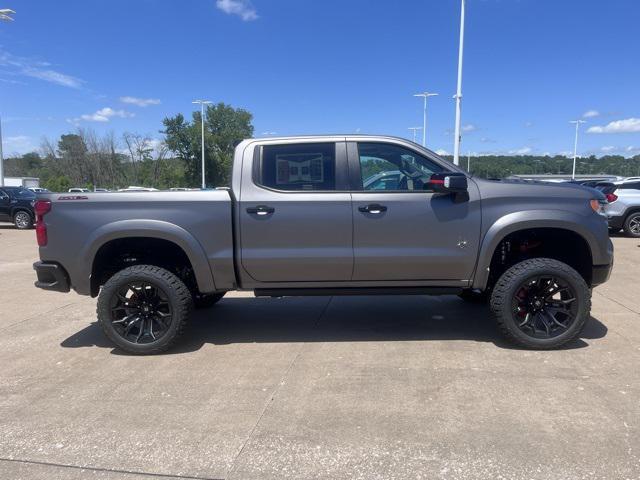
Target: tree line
86,159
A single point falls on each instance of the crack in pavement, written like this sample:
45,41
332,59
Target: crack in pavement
106,470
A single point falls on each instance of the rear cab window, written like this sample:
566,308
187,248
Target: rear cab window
300,167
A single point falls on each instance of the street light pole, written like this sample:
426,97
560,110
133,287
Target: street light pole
414,130
1,158
202,104
425,95
575,147
458,95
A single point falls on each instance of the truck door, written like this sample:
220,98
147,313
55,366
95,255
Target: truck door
403,231
295,213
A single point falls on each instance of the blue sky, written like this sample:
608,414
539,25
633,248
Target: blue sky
307,66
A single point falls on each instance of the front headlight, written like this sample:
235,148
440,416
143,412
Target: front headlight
598,206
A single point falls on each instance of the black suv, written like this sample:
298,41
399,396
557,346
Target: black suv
16,205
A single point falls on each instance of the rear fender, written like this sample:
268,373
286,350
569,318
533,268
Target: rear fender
151,229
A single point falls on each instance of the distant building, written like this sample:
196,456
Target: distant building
26,182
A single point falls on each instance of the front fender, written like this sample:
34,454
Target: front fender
528,219
151,229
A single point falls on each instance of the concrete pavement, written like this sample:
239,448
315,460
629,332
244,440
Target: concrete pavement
322,388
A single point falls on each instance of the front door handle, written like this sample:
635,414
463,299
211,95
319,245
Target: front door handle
375,208
261,210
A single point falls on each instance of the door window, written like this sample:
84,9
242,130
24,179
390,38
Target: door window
299,167
385,166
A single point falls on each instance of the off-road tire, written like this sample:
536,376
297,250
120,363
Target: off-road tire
22,220
206,300
179,298
631,218
505,289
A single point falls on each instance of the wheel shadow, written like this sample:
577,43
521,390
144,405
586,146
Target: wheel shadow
335,319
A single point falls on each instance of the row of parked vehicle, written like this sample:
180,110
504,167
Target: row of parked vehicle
622,208
623,203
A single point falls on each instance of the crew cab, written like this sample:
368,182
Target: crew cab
303,217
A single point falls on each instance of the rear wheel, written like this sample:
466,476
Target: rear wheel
22,220
144,309
541,303
632,225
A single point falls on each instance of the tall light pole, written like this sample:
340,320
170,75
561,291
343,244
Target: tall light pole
414,130
202,103
424,119
458,95
1,158
575,147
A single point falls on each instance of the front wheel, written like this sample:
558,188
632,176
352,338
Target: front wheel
541,303
144,309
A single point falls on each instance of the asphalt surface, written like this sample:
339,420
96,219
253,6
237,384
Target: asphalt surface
316,388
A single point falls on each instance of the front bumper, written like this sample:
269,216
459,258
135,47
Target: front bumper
51,276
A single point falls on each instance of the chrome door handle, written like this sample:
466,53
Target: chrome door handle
261,210
374,208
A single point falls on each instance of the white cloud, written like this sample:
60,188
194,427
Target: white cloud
27,67
442,151
102,115
140,102
628,125
631,148
18,144
608,148
520,151
243,8
268,133
591,114
469,127
528,124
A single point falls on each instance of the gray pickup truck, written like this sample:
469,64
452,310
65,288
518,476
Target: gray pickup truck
308,216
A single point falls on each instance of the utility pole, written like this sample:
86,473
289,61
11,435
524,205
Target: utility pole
575,147
414,130
458,95
202,103
425,95
469,162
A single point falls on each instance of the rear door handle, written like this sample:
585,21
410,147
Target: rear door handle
373,208
261,210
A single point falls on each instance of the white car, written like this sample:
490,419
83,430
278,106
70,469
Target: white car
79,190
133,188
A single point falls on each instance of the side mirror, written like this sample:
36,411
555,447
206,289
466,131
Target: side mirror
448,182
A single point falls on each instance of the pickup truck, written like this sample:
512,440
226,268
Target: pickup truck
303,218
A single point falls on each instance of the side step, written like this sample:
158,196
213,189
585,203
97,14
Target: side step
315,292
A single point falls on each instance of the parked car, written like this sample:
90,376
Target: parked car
79,190
16,205
299,220
39,190
623,206
133,188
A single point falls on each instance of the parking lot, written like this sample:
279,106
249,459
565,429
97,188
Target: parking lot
316,388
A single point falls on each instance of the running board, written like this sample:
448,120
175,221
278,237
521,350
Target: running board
322,292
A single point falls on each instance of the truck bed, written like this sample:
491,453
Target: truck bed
200,222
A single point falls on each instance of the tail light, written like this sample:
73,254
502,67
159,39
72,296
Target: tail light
611,197
41,207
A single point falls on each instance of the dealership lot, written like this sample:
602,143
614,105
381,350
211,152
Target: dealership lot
325,387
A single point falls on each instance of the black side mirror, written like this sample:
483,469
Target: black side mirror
448,182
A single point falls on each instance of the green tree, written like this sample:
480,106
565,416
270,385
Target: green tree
225,127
